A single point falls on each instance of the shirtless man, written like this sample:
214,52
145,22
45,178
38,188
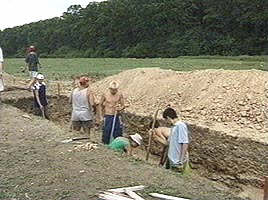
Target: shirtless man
111,104
161,135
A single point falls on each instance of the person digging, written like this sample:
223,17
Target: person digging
83,103
123,144
111,104
160,135
40,98
178,156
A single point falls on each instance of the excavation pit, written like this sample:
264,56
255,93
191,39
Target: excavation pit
232,160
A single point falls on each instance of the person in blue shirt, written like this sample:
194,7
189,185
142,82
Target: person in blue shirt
178,156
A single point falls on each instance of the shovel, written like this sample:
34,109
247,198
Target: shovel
74,139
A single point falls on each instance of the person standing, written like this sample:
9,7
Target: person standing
32,62
178,156
83,106
40,98
111,104
1,72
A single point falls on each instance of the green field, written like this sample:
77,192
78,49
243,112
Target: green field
66,68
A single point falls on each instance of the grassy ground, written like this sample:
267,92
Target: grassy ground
65,68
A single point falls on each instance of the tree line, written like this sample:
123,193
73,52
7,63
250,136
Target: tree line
147,28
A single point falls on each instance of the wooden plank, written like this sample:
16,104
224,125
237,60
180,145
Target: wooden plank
166,197
133,189
133,195
111,196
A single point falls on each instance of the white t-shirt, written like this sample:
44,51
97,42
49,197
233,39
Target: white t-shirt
1,55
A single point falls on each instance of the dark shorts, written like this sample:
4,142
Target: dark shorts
86,125
112,126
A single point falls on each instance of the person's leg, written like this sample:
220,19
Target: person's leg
107,127
163,156
118,128
76,125
87,125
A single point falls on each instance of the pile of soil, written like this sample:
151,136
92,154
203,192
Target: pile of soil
235,99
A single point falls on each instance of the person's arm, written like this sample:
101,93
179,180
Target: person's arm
91,98
1,69
38,62
1,63
129,150
121,105
71,98
37,99
101,106
184,151
26,62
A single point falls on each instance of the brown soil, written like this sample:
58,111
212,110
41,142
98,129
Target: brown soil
34,164
228,101
220,151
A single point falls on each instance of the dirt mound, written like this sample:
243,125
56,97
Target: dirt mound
235,99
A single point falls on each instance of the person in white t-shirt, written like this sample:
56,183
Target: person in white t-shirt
1,70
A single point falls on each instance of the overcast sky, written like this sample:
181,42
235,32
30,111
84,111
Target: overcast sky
19,12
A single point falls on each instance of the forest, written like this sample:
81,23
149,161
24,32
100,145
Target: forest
146,29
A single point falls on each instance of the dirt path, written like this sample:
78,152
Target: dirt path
35,165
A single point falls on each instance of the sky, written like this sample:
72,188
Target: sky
18,12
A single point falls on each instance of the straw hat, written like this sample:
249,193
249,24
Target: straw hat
40,77
136,138
113,85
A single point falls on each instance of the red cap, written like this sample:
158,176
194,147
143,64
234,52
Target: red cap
84,80
32,49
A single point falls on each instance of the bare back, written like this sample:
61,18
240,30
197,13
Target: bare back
163,131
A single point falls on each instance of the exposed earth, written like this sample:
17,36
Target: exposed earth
229,153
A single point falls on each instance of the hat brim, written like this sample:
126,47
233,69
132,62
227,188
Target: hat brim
135,140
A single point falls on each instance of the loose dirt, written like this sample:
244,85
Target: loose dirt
234,102
225,151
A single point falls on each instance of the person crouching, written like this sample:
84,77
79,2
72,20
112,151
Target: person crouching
123,144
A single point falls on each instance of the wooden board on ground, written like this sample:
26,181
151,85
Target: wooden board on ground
133,189
166,197
133,195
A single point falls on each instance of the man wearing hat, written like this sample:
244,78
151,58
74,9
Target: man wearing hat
40,98
83,104
111,104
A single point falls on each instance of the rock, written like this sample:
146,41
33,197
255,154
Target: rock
241,103
244,114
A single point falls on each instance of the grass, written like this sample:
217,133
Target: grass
65,68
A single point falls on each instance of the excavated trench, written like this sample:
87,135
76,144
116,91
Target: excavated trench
232,160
